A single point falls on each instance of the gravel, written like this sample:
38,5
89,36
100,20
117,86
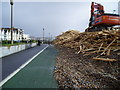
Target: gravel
74,70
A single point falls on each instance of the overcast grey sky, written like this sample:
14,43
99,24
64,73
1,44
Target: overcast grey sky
55,17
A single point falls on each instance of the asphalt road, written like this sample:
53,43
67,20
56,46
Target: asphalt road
13,62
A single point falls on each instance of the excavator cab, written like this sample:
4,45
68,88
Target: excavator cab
100,20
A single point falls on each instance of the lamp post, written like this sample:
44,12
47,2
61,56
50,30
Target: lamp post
43,35
51,38
48,38
11,3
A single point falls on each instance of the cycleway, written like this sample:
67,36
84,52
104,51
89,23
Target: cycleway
38,73
14,61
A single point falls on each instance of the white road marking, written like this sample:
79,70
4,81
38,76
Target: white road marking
21,67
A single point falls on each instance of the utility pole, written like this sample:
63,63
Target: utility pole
43,35
11,3
49,38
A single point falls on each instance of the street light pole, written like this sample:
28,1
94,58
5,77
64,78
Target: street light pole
11,3
43,35
49,38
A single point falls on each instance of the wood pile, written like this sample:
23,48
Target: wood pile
101,43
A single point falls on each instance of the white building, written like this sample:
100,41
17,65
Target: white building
5,34
33,38
26,37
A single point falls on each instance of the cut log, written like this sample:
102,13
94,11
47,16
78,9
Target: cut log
108,47
104,59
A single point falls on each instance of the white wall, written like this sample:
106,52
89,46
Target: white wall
4,51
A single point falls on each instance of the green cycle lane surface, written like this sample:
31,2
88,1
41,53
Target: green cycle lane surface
38,73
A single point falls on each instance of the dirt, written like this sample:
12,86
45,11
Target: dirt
75,70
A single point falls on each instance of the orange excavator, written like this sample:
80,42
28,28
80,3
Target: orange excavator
100,20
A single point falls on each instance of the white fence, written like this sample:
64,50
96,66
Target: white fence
4,51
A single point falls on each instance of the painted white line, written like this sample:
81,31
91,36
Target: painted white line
21,67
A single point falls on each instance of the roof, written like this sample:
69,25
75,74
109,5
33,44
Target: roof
10,29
